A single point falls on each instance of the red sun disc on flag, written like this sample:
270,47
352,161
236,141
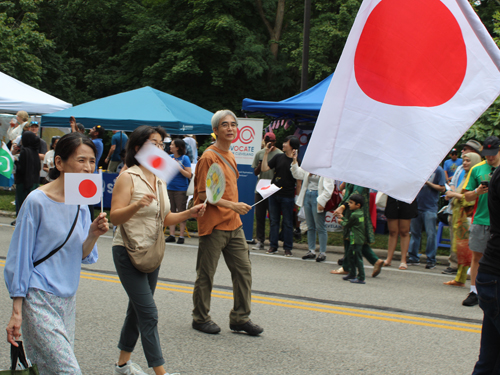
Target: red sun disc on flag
411,53
156,162
87,188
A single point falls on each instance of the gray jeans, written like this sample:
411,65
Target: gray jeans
142,314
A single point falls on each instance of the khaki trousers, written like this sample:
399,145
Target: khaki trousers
234,248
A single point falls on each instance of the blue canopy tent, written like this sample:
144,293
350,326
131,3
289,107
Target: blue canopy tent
304,106
128,110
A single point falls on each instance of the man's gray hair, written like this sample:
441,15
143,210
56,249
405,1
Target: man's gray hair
219,115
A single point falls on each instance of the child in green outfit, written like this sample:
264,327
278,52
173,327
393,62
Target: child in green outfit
356,226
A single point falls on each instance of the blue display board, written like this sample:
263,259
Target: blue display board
108,183
246,193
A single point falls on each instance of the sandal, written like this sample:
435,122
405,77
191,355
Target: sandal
403,266
386,264
454,283
339,271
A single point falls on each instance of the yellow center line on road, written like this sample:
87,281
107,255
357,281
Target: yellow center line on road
436,323
308,306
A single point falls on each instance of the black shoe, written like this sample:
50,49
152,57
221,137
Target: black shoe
170,239
411,262
288,253
450,271
309,255
321,258
180,240
357,281
248,327
207,327
471,300
430,266
272,250
340,261
13,223
348,277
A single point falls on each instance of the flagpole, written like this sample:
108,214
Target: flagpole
102,193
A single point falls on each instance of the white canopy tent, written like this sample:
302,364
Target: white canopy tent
17,96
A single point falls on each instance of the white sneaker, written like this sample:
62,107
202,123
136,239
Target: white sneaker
130,368
258,246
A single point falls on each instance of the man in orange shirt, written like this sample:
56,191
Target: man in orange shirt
220,230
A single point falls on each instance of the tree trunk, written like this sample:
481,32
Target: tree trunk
274,31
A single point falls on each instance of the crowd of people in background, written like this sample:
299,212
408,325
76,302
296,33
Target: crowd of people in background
142,205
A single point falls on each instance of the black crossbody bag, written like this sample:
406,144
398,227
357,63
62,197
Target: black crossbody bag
64,243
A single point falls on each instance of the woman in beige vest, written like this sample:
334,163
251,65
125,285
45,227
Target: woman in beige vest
140,209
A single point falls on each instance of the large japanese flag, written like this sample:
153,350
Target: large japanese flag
157,162
413,77
82,188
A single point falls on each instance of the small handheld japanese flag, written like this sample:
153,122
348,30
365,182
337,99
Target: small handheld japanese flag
82,188
266,189
157,162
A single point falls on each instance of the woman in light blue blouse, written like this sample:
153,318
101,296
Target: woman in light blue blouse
43,292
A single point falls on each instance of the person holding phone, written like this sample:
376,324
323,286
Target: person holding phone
262,208
283,201
476,190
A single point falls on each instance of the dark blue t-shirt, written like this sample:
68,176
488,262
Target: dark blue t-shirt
428,198
451,166
117,139
179,182
99,146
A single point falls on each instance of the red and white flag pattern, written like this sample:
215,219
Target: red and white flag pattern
413,77
157,162
82,188
266,189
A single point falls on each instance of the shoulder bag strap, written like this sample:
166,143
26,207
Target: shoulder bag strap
64,243
223,159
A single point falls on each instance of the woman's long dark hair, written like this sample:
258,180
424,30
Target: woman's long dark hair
66,146
181,146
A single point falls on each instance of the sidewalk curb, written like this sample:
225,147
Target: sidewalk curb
381,253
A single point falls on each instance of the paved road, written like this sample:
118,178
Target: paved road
402,322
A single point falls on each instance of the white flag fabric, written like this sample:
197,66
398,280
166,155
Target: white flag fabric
157,162
82,188
266,189
413,77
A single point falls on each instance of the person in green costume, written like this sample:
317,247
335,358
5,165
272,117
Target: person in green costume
343,211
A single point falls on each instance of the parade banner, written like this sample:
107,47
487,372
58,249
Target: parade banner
413,77
244,147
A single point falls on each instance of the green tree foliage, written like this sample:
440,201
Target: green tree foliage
489,122
21,43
